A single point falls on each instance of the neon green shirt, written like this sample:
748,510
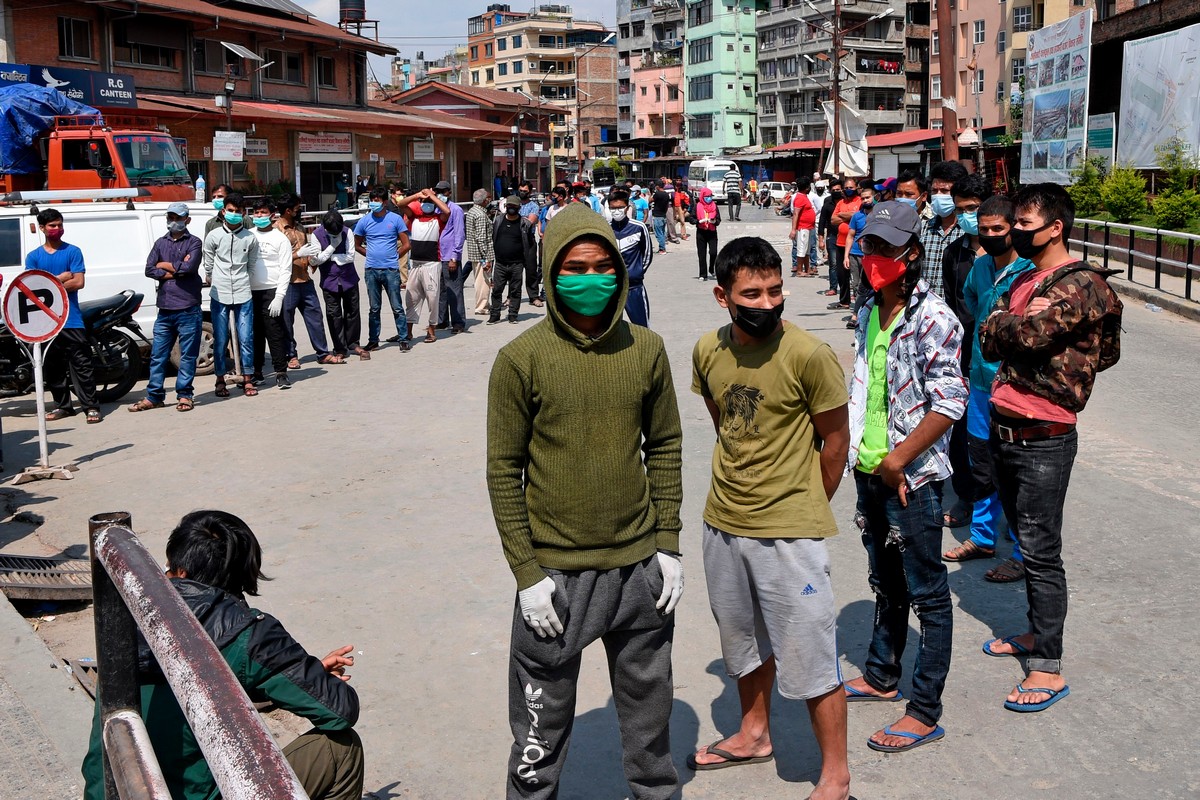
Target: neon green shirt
875,445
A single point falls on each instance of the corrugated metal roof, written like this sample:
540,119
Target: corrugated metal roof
308,25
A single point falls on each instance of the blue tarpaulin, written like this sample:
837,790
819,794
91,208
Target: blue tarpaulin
26,113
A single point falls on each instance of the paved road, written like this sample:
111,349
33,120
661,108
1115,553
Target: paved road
366,487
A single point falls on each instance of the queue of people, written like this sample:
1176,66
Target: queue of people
1008,343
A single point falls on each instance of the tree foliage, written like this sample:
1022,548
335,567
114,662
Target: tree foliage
1087,190
1124,193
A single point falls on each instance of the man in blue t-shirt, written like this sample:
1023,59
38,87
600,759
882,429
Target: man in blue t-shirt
69,357
382,238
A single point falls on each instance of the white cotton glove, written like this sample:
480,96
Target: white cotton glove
672,570
335,242
537,607
276,306
308,251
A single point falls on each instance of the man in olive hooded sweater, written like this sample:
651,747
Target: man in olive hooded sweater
584,474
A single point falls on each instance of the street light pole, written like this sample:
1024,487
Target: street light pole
945,32
578,121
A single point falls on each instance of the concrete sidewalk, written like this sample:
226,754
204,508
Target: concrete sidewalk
44,716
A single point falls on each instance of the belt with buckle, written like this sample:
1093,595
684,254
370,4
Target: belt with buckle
1030,432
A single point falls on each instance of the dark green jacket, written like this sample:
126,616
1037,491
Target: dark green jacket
266,660
584,440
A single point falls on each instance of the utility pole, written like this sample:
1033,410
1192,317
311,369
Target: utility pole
837,86
945,32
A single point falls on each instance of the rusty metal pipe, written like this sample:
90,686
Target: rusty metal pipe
244,759
135,767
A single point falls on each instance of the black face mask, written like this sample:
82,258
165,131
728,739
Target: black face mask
995,246
1023,242
758,322
523,195
835,193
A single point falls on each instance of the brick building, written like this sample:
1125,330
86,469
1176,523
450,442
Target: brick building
297,86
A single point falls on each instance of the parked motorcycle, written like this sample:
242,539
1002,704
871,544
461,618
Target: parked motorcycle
116,356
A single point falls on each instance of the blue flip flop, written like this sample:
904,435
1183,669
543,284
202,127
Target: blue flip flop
1011,641
855,696
917,739
1028,708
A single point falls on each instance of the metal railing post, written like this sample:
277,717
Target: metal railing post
1158,259
1087,237
1187,271
1107,240
1129,254
116,642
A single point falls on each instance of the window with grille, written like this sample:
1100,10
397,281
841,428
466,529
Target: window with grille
700,50
1022,19
1001,40
700,88
978,82
701,14
702,127
326,72
1018,69
980,32
287,66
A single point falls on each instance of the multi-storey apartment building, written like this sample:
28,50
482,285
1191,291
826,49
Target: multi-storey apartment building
997,34
795,59
916,65
551,55
650,38
721,75
481,42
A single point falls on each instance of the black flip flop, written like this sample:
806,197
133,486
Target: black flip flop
730,759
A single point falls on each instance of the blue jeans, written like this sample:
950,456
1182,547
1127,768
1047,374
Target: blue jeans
183,324
302,297
377,281
1033,488
904,557
660,231
244,316
988,510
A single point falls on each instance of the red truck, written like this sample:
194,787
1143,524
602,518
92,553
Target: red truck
94,152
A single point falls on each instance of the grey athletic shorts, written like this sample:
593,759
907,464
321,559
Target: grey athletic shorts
774,596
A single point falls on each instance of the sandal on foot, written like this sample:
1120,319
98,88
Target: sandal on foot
405,346
917,739
249,389
293,363
145,404
1008,571
730,759
1019,650
858,696
222,390
59,413
362,354
331,358
93,416
951,521
967,551
430,337
1026,708
184,404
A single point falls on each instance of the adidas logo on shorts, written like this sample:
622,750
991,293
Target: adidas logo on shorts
808,590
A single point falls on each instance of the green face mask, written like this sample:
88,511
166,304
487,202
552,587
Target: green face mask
586,294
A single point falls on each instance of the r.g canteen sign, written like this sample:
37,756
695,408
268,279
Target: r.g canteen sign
99,89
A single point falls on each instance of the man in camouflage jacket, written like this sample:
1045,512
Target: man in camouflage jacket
1055,329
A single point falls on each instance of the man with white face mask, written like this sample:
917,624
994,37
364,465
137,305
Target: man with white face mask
637,250
174,262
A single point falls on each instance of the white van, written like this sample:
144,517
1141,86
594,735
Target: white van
710,172
115,240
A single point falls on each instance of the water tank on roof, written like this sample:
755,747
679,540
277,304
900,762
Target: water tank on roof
499,7
353,10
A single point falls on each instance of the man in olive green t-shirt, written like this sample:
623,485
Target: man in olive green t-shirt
777,397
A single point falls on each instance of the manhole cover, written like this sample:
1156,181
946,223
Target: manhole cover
45,578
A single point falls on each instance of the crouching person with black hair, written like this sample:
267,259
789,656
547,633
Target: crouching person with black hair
907,392
214,561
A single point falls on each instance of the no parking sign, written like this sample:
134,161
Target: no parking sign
35,306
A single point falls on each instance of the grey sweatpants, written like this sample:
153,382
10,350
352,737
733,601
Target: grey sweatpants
617,607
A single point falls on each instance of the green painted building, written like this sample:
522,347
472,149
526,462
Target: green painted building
721,75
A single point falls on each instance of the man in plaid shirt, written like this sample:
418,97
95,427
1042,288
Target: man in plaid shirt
477,249
942,230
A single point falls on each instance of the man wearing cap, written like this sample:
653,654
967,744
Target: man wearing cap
885,190
907,391
174,262
452,309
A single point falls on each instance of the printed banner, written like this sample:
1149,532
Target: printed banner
1160,95
1054,121
1102,137
325,143
98,89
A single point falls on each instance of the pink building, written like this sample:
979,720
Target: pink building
658,90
